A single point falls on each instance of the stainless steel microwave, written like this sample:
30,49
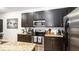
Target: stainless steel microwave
39,23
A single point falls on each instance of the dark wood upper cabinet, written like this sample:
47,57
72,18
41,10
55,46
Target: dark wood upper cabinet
53,17
1,28
30,19
57,17
1,25
24,20
49,18
27,19
38,15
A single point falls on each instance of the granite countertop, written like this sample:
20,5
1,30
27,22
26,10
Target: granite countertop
50,35
24,34
17,46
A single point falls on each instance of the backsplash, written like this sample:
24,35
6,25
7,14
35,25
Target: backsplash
53,29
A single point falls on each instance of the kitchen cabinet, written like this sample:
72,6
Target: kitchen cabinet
53,44
38,15
24,38
49,18
59,15
1,25
1,28
24,20
30,19
27,20
1,36
54,18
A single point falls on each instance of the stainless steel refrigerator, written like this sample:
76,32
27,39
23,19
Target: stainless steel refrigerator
71,35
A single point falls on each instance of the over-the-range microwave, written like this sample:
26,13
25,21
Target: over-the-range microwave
39,23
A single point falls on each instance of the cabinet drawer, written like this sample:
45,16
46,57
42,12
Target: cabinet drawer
24,38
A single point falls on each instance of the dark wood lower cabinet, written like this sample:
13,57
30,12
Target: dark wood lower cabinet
24,38
1,36
53,44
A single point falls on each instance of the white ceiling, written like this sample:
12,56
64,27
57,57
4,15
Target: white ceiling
12,9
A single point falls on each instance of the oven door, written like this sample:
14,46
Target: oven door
34,39
40,39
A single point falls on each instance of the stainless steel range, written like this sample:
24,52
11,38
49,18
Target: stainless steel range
38,38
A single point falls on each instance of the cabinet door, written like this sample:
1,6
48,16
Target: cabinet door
27,19
48,44
58,17
24,20
38,15
1,25
53,44
54,18
30,19
49,18
24,38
